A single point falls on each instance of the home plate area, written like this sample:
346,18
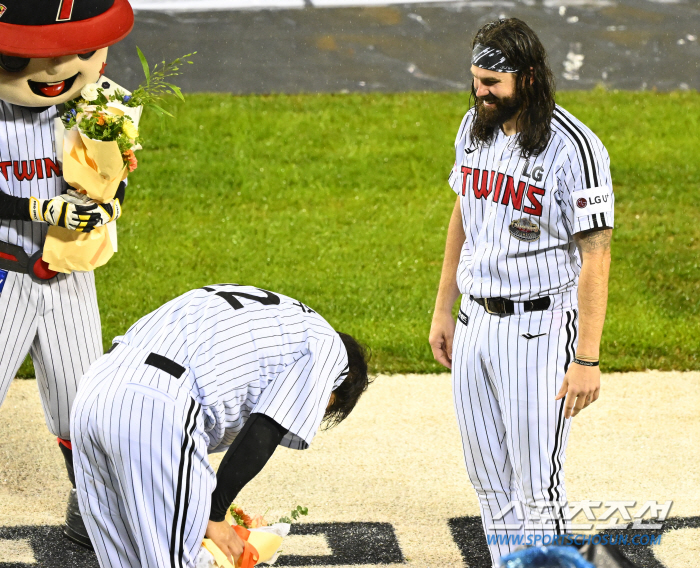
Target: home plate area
388,486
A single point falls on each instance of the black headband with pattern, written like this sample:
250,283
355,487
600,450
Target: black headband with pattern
491,59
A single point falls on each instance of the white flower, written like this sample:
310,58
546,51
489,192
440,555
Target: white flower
130,129
89,92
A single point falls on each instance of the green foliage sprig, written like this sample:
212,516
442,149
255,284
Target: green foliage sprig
295,514
156,87
245,520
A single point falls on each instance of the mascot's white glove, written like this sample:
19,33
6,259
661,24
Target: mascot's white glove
74,211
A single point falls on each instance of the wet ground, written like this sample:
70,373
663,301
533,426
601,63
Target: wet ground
622,44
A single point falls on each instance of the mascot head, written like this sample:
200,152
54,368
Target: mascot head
51,49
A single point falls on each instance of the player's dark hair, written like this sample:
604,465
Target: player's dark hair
351,389
523,50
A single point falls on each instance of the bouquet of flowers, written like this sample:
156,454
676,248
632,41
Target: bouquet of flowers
262,540
96,138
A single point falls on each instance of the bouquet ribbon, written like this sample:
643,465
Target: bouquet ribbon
248,559
250,555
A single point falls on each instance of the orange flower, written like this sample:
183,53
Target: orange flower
245,518
101,120
133,163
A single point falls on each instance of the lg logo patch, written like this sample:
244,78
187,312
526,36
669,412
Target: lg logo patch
582,202
591,201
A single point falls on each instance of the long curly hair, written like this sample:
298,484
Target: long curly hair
524,51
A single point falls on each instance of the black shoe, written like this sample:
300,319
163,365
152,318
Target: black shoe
74,528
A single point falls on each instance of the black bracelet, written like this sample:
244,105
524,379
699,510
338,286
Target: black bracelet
586,363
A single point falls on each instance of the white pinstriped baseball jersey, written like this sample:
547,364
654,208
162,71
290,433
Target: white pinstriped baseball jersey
57,321
28,168
142,434
565,189
245,350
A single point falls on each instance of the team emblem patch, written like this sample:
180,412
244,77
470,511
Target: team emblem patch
3,273
581,203
525,230
3,9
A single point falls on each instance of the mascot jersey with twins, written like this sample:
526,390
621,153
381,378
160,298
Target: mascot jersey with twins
49,50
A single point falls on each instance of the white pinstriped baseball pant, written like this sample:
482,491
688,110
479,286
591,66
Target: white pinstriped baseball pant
514,433
58,323
141,467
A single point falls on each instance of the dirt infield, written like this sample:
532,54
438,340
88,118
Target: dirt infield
389,486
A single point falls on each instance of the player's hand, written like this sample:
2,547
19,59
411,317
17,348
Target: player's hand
65,211
581,387
442,333
223,536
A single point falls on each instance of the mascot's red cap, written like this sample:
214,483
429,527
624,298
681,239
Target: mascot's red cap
52,28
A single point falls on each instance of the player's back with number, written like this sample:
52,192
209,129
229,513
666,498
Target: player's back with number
233,342
217,319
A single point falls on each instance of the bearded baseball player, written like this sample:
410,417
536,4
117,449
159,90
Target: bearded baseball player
528,249
222,368
49,50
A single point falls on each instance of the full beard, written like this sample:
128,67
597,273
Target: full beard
488,118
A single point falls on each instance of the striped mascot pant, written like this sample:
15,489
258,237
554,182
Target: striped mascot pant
57,322
506,372
140,452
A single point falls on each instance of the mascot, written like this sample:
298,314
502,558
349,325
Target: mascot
49,50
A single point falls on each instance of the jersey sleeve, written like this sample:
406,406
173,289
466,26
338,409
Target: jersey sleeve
455,177
585,187
11,207
14,208
297,398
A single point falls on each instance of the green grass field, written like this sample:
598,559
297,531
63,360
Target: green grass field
341,201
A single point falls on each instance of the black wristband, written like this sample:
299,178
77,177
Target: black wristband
121,192
586,363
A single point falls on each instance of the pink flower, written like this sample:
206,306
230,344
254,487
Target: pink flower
258,521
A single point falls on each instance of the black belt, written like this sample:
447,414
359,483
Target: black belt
16,259
160,362
504,306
